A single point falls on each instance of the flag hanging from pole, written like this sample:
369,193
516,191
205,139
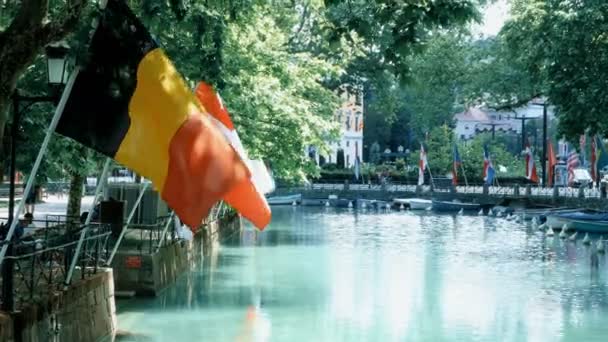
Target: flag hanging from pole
422,165
583,145
531,174
552,163
601,157
488,168
247,197
455,164
131,104
573,163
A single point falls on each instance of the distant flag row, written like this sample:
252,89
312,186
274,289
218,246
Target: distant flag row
599,159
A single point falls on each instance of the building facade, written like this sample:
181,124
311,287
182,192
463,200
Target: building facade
477,120
350,116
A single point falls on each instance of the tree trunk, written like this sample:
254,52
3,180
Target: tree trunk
28,33
74,199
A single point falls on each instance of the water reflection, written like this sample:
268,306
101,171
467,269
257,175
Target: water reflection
327,274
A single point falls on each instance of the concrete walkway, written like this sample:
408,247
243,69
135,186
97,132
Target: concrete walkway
52,205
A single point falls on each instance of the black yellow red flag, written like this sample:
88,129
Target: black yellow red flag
131,104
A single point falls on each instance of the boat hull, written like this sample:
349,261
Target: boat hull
314,202
595,227
420,204
284,200
454,206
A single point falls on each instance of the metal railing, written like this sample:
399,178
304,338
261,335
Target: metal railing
41,261
498,191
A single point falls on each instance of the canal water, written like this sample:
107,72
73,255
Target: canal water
327,274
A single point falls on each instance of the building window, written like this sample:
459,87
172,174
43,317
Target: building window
348,123
356,148
466,127
462,137
347,143
499,117
356,123
347,160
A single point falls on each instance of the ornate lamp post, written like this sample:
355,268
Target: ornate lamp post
57,73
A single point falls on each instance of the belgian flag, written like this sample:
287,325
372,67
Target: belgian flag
130,103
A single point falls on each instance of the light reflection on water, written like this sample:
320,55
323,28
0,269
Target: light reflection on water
325,274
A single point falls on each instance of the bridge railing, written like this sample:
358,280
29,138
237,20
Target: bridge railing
40,261
503,190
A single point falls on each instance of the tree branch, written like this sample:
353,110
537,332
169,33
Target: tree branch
517,104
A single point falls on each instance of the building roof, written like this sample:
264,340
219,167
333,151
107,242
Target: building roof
473,114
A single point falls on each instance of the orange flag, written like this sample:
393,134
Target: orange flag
552,163
246,197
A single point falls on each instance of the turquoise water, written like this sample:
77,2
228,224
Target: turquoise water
326,274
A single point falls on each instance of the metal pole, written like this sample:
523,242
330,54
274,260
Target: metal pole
124,229
465,175
85,230
162,235
8,269
544,158
98,189
523,133
41,153
493,131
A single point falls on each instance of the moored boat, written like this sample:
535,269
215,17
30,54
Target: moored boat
454,206
284,200
558,218
314,202
596,227
420,203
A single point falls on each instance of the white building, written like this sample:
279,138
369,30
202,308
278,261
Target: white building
350,117
476,120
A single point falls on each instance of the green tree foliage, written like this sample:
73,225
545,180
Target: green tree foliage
276,64
563,45
25,28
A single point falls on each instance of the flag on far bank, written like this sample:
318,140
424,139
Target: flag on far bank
531,174
572,163
599,158
455,164
488,168
246,197
422,165
552,163
583,149
131,104
357,167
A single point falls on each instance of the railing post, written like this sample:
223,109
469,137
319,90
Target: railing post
555,193
581,192
516,190
162,235
124,228
528,190
486,189
346,185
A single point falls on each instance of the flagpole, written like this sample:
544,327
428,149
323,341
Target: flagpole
464,175
430,174
41,153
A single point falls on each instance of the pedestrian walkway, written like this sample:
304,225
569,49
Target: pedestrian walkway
52,205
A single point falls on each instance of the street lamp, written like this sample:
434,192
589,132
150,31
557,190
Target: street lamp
56,61
57,77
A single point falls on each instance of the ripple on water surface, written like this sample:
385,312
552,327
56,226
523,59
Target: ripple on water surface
326,274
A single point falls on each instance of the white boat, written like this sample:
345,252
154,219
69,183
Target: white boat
420,203
414,203
284,200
